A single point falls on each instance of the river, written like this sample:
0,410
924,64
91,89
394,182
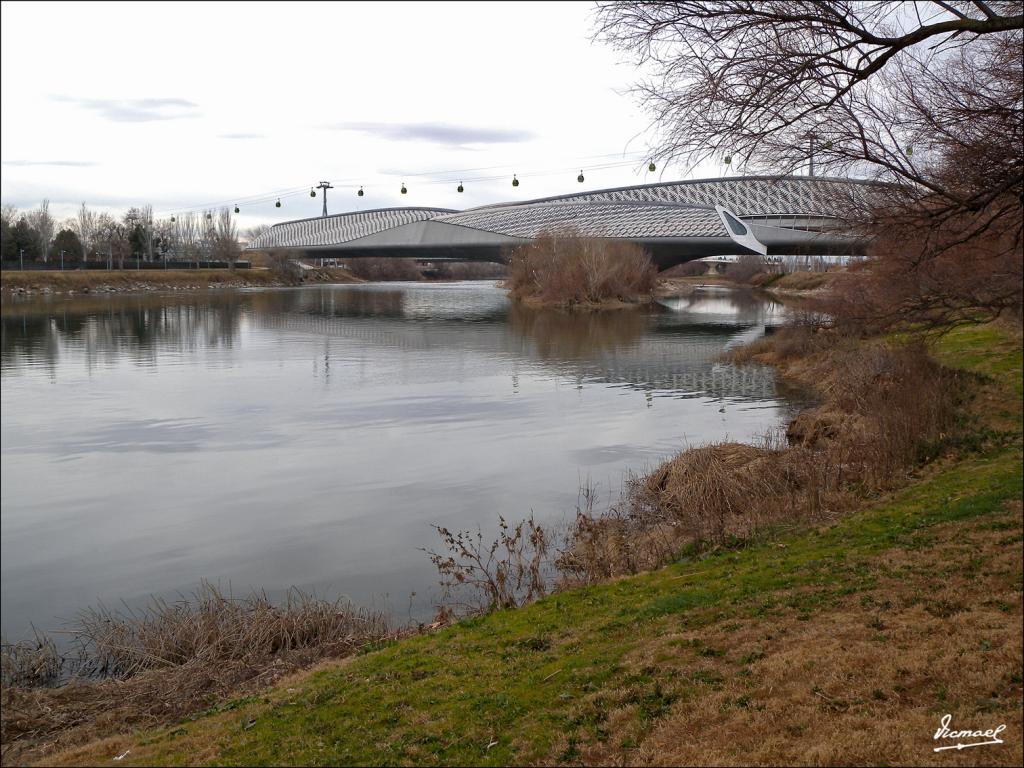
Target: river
312,436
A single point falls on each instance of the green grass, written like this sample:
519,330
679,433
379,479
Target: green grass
984,349
538,684
516,677
996,356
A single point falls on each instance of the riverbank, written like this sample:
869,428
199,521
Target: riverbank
42,282
893,615
799,284
33,282
585,306
790,284
673,287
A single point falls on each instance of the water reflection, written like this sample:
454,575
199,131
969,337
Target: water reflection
311,436
104,330
561,337
728,305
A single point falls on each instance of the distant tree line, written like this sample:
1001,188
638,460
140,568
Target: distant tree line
35,236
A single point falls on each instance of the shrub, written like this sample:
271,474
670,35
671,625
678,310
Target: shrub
935,272
504,573
746,269
282,264
566,270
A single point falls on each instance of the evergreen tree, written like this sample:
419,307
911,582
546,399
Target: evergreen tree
68,242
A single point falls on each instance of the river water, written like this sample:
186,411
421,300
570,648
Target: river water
312,436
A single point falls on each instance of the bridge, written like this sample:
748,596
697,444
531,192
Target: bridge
675,222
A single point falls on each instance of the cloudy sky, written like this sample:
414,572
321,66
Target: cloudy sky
184,105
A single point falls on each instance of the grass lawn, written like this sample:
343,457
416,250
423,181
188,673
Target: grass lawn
843,644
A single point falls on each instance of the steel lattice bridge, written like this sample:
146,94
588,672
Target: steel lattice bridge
675,222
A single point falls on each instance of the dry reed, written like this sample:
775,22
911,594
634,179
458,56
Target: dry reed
170,660
212,627
886,408
31,663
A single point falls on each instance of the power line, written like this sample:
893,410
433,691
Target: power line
447,177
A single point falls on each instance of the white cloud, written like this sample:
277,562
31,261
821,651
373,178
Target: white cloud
64,163
185,104
136,110
437,133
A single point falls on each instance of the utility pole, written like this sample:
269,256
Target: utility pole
21,257
61,259
325,185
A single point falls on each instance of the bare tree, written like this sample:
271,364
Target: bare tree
111,236
85,228
187,236
926,95
164,243
147,223
746,268
226,246
42,222
773,85
252,233
207,235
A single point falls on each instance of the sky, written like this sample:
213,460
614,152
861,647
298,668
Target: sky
183,105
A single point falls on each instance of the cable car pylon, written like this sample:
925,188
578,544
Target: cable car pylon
324,185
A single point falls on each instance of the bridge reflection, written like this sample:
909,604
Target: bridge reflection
669,349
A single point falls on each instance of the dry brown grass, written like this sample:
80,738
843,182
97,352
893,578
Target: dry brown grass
118,281
712,492
31,663
567,270
211,627
806,281
886,409
173,659
103,280
604,544
900,655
